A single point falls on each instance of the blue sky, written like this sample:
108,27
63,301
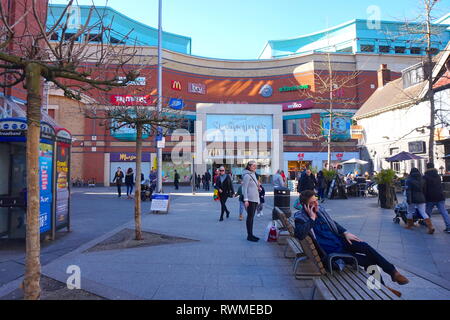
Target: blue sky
239,29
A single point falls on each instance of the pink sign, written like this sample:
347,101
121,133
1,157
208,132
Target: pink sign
298,105
129,100
339,156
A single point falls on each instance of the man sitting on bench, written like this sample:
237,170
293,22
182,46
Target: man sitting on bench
333,238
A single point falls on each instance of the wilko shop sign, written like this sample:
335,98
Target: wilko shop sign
176,85
198,88
339,156
298,105
129,100
301,156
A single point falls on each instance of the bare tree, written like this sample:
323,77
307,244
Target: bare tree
141,114
29,55
327,92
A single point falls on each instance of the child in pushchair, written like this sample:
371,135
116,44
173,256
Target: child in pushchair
401,212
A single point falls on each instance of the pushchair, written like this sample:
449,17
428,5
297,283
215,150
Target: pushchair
401,211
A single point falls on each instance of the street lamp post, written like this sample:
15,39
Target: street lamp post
159,104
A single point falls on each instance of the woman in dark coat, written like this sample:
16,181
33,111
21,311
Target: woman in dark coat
321,185
129,182
415,196
118,179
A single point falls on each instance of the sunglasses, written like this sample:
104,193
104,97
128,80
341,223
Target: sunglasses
222,170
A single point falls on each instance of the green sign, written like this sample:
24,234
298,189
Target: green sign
294,88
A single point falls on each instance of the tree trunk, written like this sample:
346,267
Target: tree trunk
429,75
31,283
137,198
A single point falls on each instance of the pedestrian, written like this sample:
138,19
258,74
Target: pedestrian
278,181
307,181
118,179
434,194
415,196
153,177
204,182
129,182
321,185
207,180
176,179
284,178
260,207
334,238
224,185
250,190
216,175
241,202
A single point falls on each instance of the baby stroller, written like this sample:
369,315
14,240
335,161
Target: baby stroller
401,211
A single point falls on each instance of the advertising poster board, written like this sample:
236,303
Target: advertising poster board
160,203
45,184
62,185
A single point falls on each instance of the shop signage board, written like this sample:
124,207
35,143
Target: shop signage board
357,132
297,105
176,104
128,157
175,85
198,88
160,203
294,88
140,81
132,100
228,128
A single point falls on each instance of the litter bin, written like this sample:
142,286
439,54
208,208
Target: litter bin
282,200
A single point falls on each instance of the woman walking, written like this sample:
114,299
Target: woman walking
224,185
129,182
321,185
250,191
415,196
118,178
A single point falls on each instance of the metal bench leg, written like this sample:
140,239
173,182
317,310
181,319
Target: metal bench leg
297,261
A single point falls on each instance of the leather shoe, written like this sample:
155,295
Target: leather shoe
253,239
399,278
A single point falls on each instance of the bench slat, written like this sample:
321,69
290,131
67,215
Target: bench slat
336,291
384,293
365,292
352,287
323,290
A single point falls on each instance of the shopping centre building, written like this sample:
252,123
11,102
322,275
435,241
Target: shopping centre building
276,91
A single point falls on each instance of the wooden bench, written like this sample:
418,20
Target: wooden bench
348,284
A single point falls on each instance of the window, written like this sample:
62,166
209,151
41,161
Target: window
94,37
395,166
296,126
285,128
116,41
393,151
434,51
367,48
385,49
412,75
69,36
400,49
54,36
416,50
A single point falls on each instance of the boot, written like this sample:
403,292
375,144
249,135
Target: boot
396,292
399,278
429,226
409,224
241,217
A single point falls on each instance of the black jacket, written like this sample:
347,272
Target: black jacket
118,178
434,191
129,178
306,183
226,186
415,188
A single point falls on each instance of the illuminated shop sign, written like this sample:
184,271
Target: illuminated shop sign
298,105
294,88
176,85
129,100
140,81
198,88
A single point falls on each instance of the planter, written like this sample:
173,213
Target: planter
386,196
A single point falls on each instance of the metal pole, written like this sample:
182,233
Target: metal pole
159,105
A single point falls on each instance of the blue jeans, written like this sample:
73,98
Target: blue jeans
441,207
129,189
241,208
420,207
